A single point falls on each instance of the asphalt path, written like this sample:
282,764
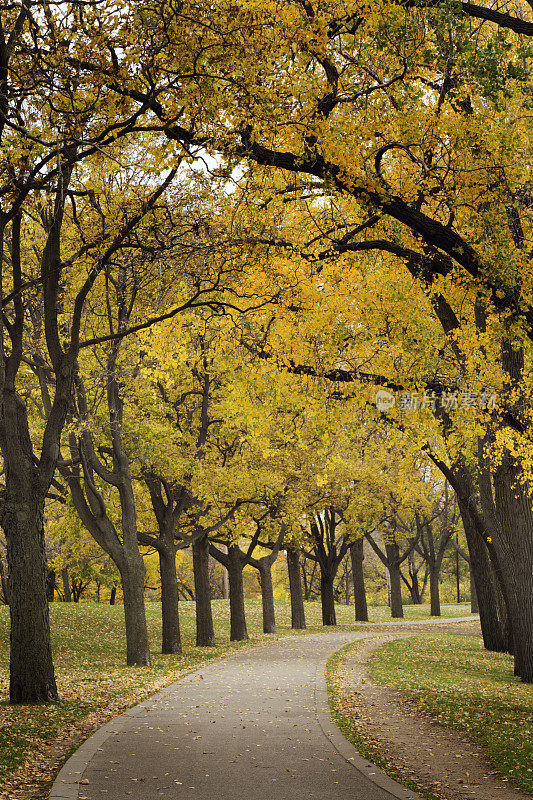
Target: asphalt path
253,725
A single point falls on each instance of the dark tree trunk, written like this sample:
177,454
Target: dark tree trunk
3,579
434,591
171,637
77,589
393,557
225,577
205,634
31,668
414,585
113,596
267,596
414,589
357,556
308,580
327,597
295,585
238,630
50,585
502,604
514,549
67,594
137,647
474,606
481,570
346,586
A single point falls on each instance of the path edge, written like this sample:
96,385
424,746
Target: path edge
347,750
66,785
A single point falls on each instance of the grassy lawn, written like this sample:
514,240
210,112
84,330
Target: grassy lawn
89,653
469,689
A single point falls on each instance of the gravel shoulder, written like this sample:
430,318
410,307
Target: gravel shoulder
438,759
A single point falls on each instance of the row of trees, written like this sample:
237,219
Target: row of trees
78,570
326,563
343,192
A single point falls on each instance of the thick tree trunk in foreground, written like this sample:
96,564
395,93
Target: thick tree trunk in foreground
31,668
327,597
474,606
295,585
32,678
28,477
434,591
393,558
171,636
359,592
3,580
238,630
205,634
267,596
502,603
506,501
481,571
514,549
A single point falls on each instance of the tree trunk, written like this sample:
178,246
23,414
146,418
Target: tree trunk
522,623
480,568
514,548
113,596
3,579
205,634
267,596
137,647
414,585
396,607
50,585
434,591
32,677
502,604
328,599
357,556
225,577
238,630
474,606
295,585
66,585
171,637
414,589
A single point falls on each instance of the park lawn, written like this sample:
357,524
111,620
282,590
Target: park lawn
467,688
94,683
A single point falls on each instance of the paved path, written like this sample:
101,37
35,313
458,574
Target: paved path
253,725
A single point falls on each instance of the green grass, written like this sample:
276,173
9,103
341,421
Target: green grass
469,689
89,652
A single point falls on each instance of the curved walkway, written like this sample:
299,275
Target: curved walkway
255,724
